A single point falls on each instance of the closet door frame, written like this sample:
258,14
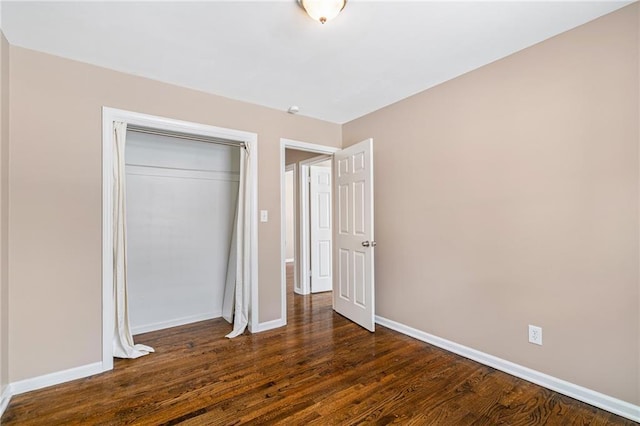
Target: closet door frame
109,115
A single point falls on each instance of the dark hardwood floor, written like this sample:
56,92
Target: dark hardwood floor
320,369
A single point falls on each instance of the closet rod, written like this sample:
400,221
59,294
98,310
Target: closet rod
185,136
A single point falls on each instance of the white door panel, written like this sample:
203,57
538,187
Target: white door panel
321,232
354,295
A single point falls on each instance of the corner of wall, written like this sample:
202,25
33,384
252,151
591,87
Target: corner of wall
4,221
5,398
637,6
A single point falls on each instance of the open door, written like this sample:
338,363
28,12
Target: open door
353,282
321,233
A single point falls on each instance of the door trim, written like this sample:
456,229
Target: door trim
109,115
303,146
294,200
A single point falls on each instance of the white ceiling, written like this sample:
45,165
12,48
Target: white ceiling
270,53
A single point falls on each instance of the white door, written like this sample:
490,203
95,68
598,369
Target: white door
321,233
353,286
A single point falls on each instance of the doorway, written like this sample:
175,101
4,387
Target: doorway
181,200
354,243
298,159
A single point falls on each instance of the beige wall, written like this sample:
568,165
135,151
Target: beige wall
509,196
4,212
55,197
295,156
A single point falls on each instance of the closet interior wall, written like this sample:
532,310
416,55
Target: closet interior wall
181,202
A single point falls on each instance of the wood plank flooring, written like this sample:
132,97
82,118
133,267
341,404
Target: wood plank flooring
320,369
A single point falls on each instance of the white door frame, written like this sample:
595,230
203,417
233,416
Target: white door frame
305,238
109,115
294,198
303,146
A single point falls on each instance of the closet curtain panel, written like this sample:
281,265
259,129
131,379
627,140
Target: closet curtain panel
230,283
238,284
123,345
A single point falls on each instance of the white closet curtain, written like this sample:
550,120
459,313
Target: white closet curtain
238,283
123,346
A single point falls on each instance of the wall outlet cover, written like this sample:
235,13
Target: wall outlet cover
535,335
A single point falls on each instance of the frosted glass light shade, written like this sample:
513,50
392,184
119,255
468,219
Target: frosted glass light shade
323,10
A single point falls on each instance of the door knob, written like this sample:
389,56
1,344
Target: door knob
373,244
365,244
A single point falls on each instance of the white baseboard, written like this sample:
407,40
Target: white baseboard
290,260
600,400
146,328
56,378
5,397
270,325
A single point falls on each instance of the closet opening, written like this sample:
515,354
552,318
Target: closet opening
179,228
181,201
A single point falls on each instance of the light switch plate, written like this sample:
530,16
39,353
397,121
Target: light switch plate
264,215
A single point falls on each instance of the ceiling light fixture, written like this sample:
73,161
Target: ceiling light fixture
322,10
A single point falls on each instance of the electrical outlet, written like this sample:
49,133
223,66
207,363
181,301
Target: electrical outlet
535,335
